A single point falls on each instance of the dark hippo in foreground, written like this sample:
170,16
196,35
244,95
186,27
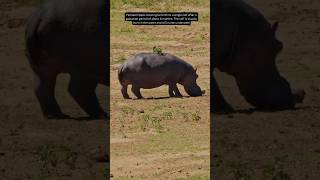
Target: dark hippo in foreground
151,70
69,37
245,46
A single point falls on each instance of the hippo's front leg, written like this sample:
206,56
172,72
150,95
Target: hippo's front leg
174,91
83,92
136,91
219,104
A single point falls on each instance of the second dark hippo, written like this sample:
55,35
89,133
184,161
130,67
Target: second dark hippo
245,46
151,70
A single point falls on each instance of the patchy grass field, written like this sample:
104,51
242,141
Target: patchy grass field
160,138
284,144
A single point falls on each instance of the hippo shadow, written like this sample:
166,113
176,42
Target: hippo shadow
163,97
80,118
86,118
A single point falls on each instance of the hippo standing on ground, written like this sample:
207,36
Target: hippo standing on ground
245,46
151,70
69,37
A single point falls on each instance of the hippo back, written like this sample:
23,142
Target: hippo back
153,61
234,20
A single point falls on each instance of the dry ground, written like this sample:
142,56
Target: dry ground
32,147
276,145
160,137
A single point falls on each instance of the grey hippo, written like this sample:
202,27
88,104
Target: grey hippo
151,70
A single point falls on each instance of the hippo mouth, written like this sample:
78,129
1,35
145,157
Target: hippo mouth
277,96
194,91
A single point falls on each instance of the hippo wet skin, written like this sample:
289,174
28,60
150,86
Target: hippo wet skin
245,46
151,70
69,37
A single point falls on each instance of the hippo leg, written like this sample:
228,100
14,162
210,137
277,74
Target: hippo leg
171,94
45,81
124,91
136,91
219,104
174,91
83,92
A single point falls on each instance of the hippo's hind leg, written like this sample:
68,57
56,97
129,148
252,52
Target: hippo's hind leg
45,81
124,91
83,91
174,91
136,91
219,104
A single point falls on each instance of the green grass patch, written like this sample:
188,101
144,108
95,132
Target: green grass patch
191,116
204,17
151,121
120,59
204,176
118,4
124,178
156,5
127,110
172,142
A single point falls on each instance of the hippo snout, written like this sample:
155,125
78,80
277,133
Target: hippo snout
298,95
194,90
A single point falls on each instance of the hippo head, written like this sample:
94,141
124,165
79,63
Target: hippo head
256,72
190,85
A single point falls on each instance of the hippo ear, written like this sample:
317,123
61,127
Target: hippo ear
195,70
275,27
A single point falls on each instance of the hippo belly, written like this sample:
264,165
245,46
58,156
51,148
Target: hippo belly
148,79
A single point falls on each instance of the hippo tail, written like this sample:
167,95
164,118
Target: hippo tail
31,39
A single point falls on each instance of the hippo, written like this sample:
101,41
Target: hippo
245,46
69,37
152,70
